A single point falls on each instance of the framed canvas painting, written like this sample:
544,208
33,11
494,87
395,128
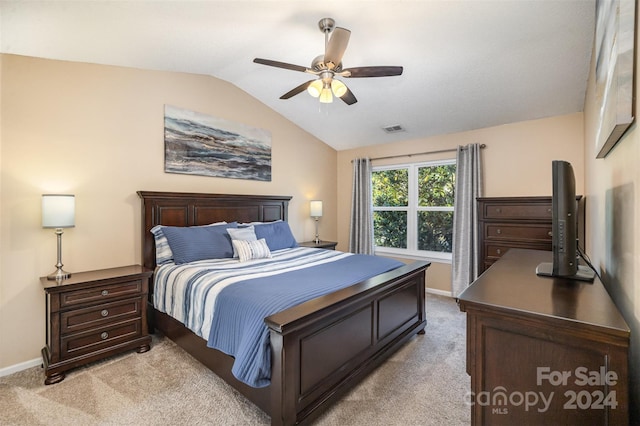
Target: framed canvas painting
199,144
614,49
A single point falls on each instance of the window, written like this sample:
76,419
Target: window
413,209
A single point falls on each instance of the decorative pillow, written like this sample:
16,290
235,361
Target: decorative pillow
278,235
248,250
245,233
163,250
193,243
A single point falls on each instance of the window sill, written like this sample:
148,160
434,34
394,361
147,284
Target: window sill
414,255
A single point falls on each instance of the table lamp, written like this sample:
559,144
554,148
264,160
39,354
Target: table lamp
316,213
58,211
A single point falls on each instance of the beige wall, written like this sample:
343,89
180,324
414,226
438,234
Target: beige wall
613,223
97,132
517,162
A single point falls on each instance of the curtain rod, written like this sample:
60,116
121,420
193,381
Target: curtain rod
482,146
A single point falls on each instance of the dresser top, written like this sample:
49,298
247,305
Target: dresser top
512,286
97,276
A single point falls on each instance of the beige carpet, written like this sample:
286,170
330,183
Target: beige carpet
424,383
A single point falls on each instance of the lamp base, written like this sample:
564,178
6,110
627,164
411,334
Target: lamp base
59,275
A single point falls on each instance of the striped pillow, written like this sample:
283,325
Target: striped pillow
248,250
163,251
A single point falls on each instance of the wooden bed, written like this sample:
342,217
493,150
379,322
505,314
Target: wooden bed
366,322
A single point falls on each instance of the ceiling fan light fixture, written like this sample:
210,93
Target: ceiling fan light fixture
315,88
338,87
325,96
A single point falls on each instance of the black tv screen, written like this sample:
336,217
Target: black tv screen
564,227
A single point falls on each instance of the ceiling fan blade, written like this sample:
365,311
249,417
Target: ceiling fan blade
296,90
336,47
371,72
284,65
348,97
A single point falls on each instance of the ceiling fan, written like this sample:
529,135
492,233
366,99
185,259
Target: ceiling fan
329,66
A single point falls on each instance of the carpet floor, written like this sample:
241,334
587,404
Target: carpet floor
422,384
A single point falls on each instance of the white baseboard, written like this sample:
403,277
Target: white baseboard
19,367
438,292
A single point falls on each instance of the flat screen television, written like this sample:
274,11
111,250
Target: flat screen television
564,228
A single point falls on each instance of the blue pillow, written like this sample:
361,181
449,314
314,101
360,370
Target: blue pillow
278,235
193,243
163,250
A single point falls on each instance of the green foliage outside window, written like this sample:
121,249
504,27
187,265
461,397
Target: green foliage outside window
390,229
433,208
436,185
390,188
435,231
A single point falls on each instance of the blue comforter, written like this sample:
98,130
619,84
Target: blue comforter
238,328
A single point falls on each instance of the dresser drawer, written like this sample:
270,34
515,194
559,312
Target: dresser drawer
508,231
101,293
100,338
99,315
541,211
495,250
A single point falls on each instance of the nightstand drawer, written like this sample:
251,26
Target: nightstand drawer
99,315
101,338
507,231
101,293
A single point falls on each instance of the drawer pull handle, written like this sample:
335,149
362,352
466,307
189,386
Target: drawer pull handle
550,233
498,210
498,231
104,313
104,335
105,292
498,251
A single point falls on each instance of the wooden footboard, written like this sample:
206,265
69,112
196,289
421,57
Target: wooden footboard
322,348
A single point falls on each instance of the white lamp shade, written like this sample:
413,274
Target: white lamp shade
315,88
316,208
58,211
325,96
338,87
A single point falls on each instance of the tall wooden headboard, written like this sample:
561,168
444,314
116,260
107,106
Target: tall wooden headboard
192,209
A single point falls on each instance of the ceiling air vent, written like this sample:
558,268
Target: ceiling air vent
395,128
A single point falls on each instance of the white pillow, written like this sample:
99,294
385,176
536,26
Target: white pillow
248,250
245,233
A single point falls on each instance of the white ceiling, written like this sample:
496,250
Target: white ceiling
468,64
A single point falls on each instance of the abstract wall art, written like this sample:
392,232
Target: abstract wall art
200,144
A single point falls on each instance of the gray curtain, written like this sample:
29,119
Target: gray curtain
361,227
465,218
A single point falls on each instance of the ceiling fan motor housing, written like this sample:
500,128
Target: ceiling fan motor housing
326,25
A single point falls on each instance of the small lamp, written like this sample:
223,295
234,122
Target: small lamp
58,211
316,212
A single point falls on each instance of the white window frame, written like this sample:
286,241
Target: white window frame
412,209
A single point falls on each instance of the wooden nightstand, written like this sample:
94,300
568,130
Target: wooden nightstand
329,245
93,315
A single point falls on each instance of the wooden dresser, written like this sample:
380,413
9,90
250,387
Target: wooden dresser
512,222
93,315
544,351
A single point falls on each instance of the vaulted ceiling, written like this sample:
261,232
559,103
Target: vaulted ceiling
468,64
